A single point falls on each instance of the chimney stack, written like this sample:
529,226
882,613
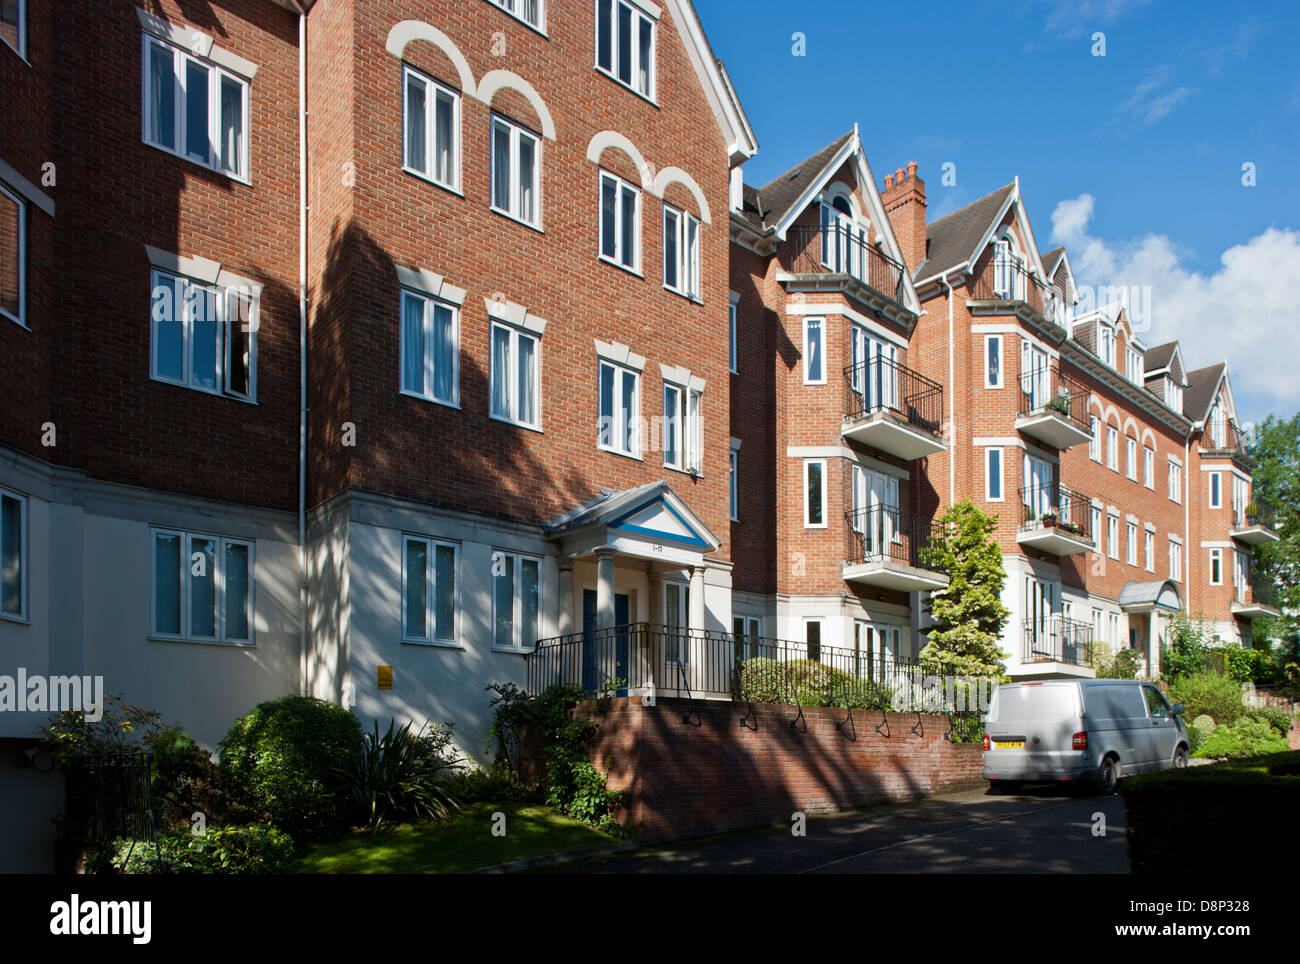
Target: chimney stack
904,200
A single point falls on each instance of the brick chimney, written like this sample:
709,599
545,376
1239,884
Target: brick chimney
904,200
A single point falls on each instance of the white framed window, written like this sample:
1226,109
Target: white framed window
620,222
195,109
733,483
204,336
677,616
1175,481
516,376
1112,448
202,587
1240,575
1131,456
13,257
1132,533
531,12
683,427
814,351
1174,395
1215,482
1149,467
13,25
430,129
731,337
1149,547
13,555
1094,443
516,171
1095,528
993,475
430,353
681,253
1175,561
1216,567
430,598
625,45
619,414
1106,344
993,369
812,638
1112,536
1133,365
516,600
814,499
747,633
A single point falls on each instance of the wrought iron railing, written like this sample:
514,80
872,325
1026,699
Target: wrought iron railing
109,796
1007,280
1223,434
1048,389
886,533
1257,513
1045,506
838,249
1056,639
881,385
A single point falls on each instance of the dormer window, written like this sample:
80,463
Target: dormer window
845,238
1174,395
1106,344
1133,367
1008,270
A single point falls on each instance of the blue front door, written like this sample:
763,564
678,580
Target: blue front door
605,656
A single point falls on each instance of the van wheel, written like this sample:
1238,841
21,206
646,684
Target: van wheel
1180,758
1107,776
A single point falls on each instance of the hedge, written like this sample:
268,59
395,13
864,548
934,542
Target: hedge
1199,821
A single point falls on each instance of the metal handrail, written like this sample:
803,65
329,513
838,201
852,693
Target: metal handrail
1011,281
1044,506
883,532
1047,388
838,249
882,385
1056,638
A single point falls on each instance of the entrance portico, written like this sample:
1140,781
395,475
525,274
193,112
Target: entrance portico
1149,606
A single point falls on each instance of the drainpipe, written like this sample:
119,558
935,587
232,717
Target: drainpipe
952,402
303,687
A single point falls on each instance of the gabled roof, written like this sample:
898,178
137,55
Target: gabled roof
713,78
1050,259
1143,596
1202,387
777,197
653,510
952,239
1158,358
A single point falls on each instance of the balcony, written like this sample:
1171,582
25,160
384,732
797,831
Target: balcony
1223,438
892,408
1253,610
1005,286
887,550
1055,520
1055,645
1054,408
835,257
1255,524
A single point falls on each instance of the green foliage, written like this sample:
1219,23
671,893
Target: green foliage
1199,731
398,774
1247,665
1208,693
289,758
122,729
1249,736
248,849
573,785
1168,813
1109,664
185,781
969,614
1279,720
1186,651
1275,450
810,683
488,786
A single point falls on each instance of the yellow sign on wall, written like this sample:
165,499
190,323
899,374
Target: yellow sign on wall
385,677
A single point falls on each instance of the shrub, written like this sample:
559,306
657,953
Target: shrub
248,849
1279,720
121,730
763,681
289,757
1216,696
1247,665
1199,730
481,786
398,774
810,683
1187,652
1246,737
185,781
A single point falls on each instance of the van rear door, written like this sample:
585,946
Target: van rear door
1021,712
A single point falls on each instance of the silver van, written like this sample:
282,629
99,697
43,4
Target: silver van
1089,731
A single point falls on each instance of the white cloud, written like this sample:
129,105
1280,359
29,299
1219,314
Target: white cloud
1154,98
1072,18
1244,311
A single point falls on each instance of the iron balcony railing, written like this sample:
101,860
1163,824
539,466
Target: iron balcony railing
888,534
1223,434
1056,639
1044,506
1257,513
881,385
675,662
841,249
1009,280
1048,389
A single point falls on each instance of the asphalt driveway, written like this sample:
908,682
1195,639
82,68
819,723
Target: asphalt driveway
1040,830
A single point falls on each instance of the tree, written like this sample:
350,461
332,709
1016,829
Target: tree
1276,452
969,614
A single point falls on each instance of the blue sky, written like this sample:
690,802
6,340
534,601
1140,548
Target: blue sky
1138,154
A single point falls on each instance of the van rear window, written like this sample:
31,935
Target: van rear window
1044,704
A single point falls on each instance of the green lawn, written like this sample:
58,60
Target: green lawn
463,843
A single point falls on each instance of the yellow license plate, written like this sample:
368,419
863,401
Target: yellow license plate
1011,745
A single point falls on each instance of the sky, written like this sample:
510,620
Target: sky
1156,139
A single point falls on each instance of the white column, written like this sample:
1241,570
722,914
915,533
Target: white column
695,622
604,588
655,615
565,626
1153,644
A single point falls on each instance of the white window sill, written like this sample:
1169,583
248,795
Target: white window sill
626,86
518,220
238,178
20,54
541,31
510,421
225,643
204,391
434,644
694,474
822,382
619,264
430,399
820,525
693,299
436,183
620,452
17,321
513,650
14,618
